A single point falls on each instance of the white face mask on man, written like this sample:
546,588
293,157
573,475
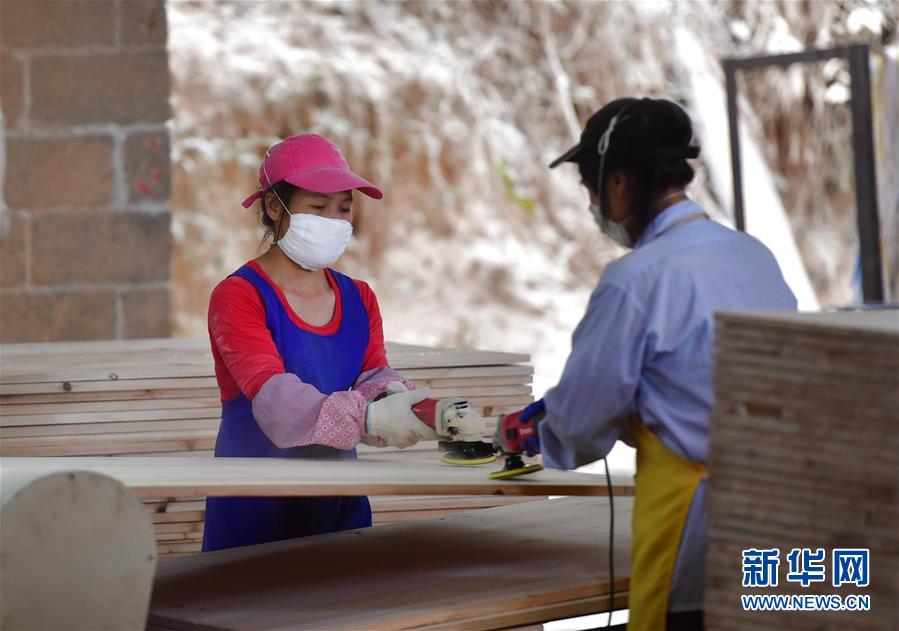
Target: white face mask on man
612,229
314,242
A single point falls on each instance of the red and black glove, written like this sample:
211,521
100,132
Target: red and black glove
517,432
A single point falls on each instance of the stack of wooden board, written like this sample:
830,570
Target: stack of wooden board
804,453
157,396
160,397
498,568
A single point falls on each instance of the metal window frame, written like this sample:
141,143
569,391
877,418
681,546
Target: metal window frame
867,217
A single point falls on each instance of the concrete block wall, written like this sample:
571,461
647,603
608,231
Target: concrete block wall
85,245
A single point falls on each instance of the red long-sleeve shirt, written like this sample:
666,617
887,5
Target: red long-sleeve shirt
242,346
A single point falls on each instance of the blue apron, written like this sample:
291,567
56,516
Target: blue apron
331,363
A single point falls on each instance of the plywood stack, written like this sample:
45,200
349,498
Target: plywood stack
804,453
155,396
160,397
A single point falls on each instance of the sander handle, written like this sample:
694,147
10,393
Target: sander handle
426,411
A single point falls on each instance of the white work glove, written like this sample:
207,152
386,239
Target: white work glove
393,420
460,421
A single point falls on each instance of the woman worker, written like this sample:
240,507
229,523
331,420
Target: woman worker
641,363
299,350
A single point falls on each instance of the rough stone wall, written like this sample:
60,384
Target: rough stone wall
85,245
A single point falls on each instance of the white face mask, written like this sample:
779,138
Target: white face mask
314,242
612,229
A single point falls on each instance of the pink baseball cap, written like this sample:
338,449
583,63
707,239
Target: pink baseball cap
312,163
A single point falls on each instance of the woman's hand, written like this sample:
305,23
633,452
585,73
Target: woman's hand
391,418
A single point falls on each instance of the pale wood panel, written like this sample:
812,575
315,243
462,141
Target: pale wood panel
178,516
66,407
111,417
192,477
110,395
143,346
210,422
492,568
173,505
104,445
109,385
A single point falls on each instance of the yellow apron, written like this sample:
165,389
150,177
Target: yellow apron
665,485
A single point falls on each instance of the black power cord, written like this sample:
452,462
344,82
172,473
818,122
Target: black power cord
611,543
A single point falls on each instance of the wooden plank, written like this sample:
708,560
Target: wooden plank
178,527
172,505
141,367
428,502
197,477
103,447
465,372
208,423
121,438
145,345
469,382
483,393
168,548
108,406
182,517
124,395
137,368
169,538
109,418
463,571
449,357
111,385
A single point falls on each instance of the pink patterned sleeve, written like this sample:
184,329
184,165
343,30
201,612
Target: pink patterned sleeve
292,413
373,382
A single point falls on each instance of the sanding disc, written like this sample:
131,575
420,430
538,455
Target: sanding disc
458,459
511,473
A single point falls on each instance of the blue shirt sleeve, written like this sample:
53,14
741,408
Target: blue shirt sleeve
588,409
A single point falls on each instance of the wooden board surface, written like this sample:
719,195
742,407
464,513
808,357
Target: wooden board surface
804,453
498,567
188,477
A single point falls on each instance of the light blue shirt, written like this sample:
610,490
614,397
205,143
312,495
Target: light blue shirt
645,344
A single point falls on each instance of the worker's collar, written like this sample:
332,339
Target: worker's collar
667,218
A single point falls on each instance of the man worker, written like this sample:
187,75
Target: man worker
641,364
